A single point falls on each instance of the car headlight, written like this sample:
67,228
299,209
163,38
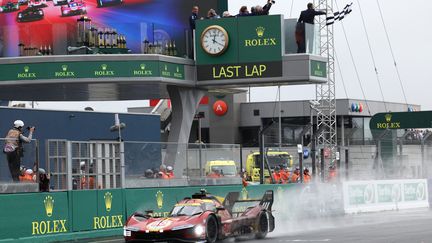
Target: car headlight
19,15
199,230
186,226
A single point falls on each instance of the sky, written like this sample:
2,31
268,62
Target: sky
410,37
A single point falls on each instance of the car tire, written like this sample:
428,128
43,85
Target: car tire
212,229
262,226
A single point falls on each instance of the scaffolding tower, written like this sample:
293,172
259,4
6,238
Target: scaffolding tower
326,93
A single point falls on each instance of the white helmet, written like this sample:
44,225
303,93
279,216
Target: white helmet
18,124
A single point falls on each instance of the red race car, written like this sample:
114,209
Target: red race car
204,218
73,8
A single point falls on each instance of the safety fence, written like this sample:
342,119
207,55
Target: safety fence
84,165
78,165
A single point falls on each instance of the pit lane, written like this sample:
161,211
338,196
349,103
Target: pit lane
395,226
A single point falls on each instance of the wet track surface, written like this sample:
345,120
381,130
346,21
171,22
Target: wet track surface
409,226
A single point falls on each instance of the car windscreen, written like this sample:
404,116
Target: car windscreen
274,160
186,209
227,170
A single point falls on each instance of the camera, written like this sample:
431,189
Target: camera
28,128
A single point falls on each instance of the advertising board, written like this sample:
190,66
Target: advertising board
370,196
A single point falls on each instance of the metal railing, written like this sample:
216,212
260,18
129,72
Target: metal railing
78,165
82,165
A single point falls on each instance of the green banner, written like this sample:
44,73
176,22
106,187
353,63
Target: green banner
415,191
110,208
401,120
388,193
260,39
84,208
360,194
91,69
171,70
97,209
318,69
34,214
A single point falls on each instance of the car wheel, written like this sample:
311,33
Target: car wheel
262,226
211,229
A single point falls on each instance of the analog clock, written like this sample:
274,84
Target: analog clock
214,40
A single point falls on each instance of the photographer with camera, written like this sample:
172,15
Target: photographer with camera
13,147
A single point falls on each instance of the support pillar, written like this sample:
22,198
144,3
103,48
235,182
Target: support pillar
184,102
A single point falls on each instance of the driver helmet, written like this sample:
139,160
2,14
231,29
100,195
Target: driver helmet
169,168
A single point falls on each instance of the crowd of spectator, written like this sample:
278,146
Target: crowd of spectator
244,11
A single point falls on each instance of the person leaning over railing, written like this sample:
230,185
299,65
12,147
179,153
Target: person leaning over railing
13,147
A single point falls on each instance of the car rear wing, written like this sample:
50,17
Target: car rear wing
267,200
232,199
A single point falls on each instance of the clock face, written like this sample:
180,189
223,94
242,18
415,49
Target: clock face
214,40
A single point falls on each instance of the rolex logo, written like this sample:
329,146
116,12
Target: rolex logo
178,69
104,67
159,199
166,68
260,31
64,68
108,201
142,66
388,117
318,66
26,69
49,205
